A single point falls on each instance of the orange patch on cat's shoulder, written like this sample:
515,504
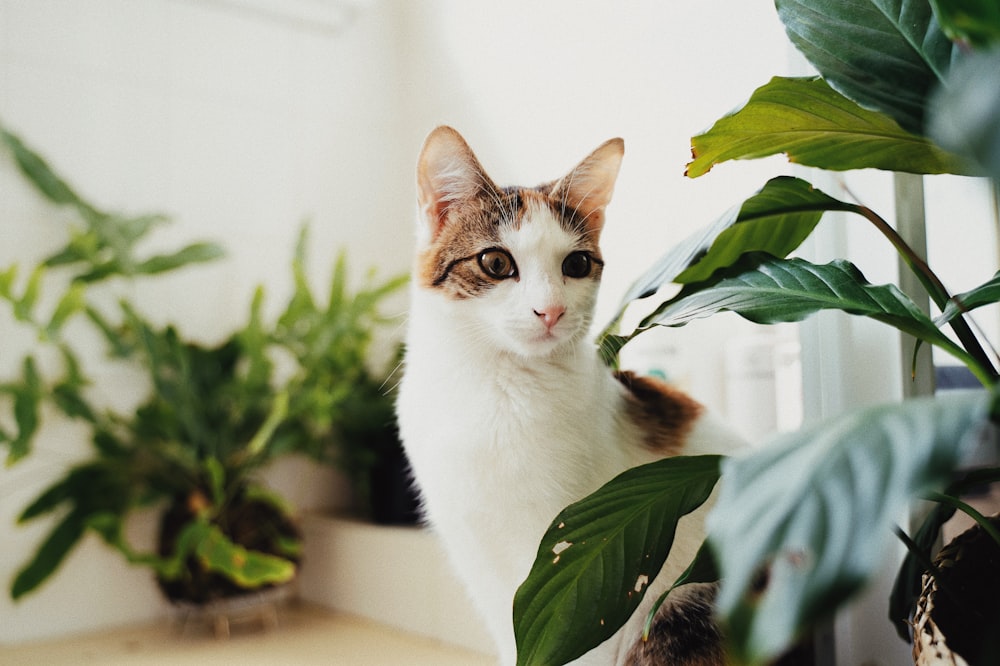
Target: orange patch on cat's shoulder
665,414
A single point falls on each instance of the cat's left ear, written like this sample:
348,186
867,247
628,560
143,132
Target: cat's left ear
589,186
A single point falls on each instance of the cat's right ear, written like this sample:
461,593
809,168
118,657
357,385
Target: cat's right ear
448,173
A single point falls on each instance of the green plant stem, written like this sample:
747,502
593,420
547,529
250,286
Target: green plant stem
970,511
915,550
985,371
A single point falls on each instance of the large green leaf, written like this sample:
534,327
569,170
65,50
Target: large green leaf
769,291
886,55
817,126
597,556
800,526
775,220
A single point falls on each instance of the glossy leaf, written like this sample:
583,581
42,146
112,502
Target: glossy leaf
801,526
815,125
770,291
885,55
589,574
774,220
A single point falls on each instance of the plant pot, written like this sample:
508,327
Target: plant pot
254,523
958,613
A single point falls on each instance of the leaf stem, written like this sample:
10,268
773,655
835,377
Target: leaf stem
970,511
938,293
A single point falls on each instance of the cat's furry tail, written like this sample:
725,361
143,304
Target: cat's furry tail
683,633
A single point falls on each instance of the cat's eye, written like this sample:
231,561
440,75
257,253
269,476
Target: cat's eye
498,264
577,265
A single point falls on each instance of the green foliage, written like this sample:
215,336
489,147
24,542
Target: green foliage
599,554
813,513
803,524
886,55
814,125
215,414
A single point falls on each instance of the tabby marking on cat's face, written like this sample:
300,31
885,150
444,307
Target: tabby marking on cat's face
521,267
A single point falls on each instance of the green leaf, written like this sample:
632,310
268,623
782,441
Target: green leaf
24,307
119,346
194,253
801,525
27,400
816,126
776,219
248,569
257,445
987,293
49,555
71,303
67,487
597,556
135,228
7,278
70,400
41,175
216,474
885,55
770,291
975,22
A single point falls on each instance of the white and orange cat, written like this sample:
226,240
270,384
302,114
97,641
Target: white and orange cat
506,410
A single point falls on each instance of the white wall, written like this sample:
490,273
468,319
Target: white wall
240,125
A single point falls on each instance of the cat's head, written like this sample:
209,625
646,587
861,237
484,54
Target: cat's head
518,267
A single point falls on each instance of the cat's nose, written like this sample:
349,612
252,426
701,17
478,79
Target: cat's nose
550,315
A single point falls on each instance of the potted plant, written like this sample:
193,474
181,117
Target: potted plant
215,415
800,525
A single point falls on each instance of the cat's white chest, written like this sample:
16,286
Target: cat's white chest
498,448
483,436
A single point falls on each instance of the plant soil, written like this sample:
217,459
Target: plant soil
967,601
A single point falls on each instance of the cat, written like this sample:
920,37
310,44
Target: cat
507,412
